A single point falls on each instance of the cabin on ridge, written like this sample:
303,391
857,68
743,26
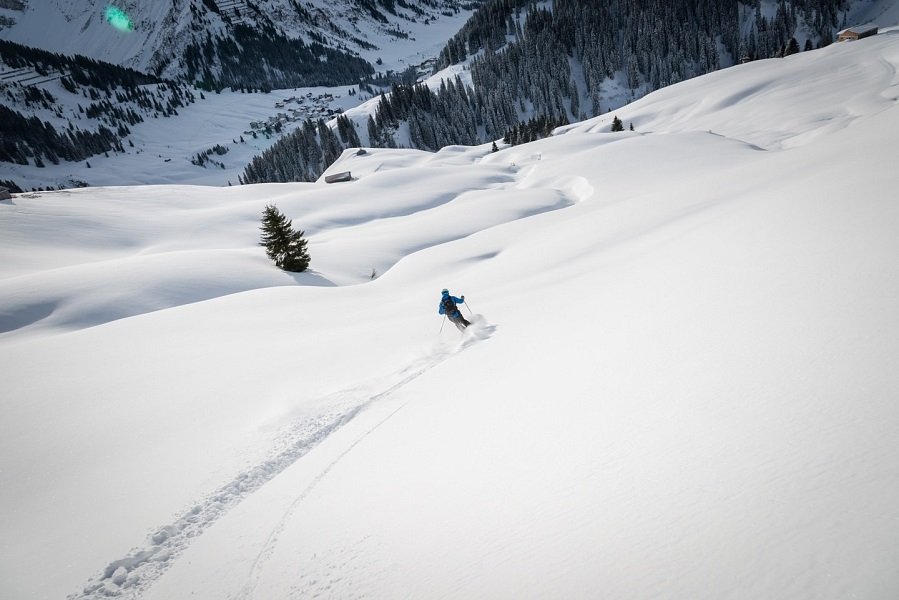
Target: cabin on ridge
856,33
338,177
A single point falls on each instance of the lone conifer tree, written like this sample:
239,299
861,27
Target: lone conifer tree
617,125
283,244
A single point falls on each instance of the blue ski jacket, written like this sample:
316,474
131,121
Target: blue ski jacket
441,311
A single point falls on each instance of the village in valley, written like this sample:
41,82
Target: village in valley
305,107
289,110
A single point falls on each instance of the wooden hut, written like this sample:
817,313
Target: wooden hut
338,177
856,33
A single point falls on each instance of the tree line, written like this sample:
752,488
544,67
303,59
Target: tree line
266,59
23,138
537,67
114,99
82,70
303,154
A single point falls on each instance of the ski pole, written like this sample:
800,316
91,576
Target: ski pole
442,323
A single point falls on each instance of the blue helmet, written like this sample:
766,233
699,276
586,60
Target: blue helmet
445,292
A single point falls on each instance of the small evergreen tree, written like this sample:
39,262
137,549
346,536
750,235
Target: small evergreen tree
792,47
283,244
617,125
494,148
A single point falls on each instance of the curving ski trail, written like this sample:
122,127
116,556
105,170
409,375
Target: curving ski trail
476,332
133,574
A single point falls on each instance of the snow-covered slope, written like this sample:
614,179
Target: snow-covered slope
164,150
680,382
879,12
160,31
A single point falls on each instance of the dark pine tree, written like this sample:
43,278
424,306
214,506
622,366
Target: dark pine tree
792,47
617,125
283,244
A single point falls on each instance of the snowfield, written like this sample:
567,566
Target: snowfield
680,382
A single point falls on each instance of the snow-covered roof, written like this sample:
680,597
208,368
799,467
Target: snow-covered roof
859,29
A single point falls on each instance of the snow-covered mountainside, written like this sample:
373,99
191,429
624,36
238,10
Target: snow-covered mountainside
143,132
680,381
156,35
564,81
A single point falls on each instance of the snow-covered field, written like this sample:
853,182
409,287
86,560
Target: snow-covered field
681,381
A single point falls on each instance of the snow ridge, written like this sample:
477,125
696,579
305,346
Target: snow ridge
135,573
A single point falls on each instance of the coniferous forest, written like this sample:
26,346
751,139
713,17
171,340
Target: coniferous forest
539,65
114,99
250,48
264,59
533,66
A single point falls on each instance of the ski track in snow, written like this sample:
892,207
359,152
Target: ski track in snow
136,572
479,331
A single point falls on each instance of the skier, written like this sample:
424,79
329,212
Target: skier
448,307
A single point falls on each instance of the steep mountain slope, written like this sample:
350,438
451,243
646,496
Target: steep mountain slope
681,383
528,68
209,39
58,101
882,13
551,68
